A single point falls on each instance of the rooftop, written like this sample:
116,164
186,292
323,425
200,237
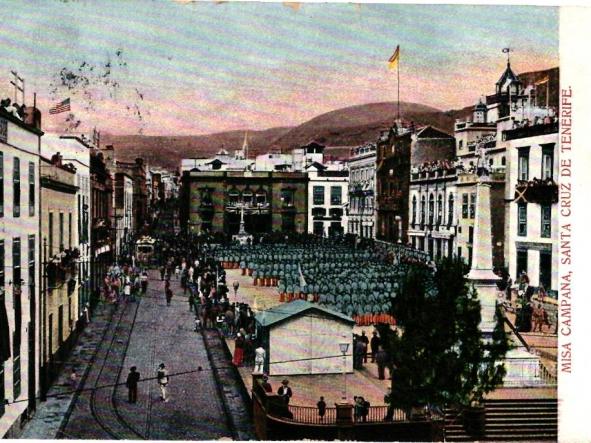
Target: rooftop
282,312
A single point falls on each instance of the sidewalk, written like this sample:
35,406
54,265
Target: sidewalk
51,413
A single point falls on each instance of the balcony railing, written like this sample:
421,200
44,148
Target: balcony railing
309,415
531,131
536,191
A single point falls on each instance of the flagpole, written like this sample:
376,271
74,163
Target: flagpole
398,74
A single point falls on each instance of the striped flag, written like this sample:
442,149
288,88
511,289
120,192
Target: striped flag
60,107
393,61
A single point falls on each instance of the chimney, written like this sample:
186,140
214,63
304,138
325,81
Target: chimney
33,117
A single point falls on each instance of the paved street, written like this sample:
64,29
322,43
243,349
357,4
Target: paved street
146,334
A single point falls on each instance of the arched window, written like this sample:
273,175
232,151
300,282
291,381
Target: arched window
439,209
423,210
431,208
450,210
414,209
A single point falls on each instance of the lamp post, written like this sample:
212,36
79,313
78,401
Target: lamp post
344,347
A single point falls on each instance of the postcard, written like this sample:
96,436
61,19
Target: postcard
293,221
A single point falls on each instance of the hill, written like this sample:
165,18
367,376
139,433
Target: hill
338,129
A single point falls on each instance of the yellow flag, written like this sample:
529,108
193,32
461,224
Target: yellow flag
393,61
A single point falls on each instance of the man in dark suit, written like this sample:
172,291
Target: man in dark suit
132,380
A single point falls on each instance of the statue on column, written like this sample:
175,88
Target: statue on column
482,167
259,359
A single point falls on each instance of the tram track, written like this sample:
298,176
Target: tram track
103,401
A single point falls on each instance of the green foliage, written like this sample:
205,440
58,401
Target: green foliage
438,353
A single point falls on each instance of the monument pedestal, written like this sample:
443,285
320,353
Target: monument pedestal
523,367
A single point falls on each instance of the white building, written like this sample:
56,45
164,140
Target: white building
302,335
75,149
19,266
328,196
432,209
362,213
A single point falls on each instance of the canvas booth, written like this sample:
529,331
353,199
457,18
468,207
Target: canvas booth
303,338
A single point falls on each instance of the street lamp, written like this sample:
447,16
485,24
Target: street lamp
344,347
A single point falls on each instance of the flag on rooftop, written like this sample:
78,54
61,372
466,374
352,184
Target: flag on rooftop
393,61
60,107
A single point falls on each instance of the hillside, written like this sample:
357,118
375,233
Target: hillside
339,129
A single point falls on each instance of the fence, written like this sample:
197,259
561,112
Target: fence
309,415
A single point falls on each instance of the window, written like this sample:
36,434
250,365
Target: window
450,209
414,209
50,229
431,208
336,194
1,187
31,265
521,261
17,303
423,209
522,219
460,144
16,184
547,161
503,161
318,195
546,269
439,209
546,229
31,189
472,205
70,230
523,164
287,197
319,228
471,234
61,231
464,205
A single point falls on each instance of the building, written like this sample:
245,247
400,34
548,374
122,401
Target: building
328,195
20,135
432,216
123,210
212,201
137,171
75,149
303,335
60,253
362,191
398,150
531,216
102,214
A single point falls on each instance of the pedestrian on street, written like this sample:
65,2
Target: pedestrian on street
236,286
132,380
374,345
191,301
144,282
162,270
74,378
238,350
168,296
363,339
285,391
162,376
382,361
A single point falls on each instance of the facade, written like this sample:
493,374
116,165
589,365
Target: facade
291,334
19,266
123,209
531,196
398,150
362,191
212,201
60,303
137,171
328,195
102,235
432,216
75,149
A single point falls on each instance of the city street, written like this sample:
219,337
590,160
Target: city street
145,334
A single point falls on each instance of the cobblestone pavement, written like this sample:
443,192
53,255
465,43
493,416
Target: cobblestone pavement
145,334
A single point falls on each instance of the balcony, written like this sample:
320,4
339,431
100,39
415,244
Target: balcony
531,131
536,191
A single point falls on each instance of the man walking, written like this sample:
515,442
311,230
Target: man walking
162,376
374,345
132,380
382,361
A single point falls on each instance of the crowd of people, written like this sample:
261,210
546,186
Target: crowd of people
124,283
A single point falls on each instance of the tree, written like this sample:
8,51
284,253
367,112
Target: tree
439,355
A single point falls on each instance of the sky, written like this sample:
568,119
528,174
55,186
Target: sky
161,67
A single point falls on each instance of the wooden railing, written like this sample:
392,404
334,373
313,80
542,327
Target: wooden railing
309,415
